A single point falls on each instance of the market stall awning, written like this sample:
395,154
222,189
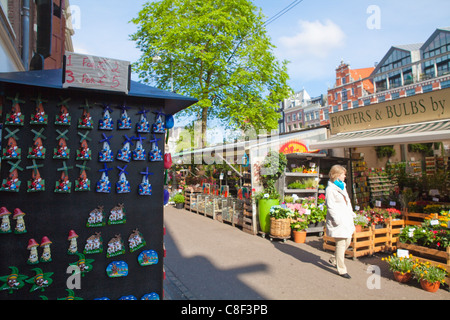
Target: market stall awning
409,133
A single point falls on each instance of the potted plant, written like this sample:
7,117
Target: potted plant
179,200
429,276
280,220
360,222
299,226
402,267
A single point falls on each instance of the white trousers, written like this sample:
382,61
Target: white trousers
339,255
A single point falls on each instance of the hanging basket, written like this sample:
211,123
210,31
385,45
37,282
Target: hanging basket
280,227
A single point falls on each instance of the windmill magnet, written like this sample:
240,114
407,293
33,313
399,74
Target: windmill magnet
106,123
158,126
84,153
36,183
39,117
143,126
106,154
5,226
83,183
147,258
11,151
85,122
155,153
103,185
117,269
63,118
37,151
62,151
124,154
12,182
63,185
124,121
15,117
123,186
139,152
20,222
145,188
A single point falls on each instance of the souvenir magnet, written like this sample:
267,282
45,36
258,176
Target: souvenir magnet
124,122
103,185
14,281
62,151
155,154
145,188
84,153
117,215
41,280
130,297
39,117
37,151
12,150
106,123
15,117
85,122
143,126
84,265
73,245
63,118
170,122
33,257
116,247
36,183
147,258
94,244
167,160
106,154
96,218
123,186
5,226
150,296
139,152
12,183
136,240
70,296
124,154
46,254
158,126
117,269
20,223
82,183
63,185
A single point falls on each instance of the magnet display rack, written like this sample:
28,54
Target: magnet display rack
54,214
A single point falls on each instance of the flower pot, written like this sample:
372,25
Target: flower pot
429,286
402,277
179,205
299,236
264,206
280,227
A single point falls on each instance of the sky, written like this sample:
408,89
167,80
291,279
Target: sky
314,36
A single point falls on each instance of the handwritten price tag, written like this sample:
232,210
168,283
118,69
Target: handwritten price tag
91,72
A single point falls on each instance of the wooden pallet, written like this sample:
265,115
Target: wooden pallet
414,218
361,244
395,227
380,239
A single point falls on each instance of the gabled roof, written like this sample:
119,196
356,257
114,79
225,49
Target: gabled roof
406,47
53,79
433,36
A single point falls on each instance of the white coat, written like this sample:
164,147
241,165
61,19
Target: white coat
340,215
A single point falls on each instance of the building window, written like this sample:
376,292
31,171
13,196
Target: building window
289,119
355,104
294,117
345,106
427,88
395,95
381,98
344,95
410,92
366,102
445,84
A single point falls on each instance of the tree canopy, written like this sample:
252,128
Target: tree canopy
217,51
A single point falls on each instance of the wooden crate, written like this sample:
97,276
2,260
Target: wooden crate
361,244
414,218
395,227
380,239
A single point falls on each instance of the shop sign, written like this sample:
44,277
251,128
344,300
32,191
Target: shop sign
418,108
293,147
91,72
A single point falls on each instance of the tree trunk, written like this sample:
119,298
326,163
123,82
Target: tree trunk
204,123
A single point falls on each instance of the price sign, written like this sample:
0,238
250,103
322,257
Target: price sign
91,72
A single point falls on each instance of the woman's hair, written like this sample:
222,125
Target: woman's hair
336,171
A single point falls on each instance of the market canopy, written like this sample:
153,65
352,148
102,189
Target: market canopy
409,133
53,79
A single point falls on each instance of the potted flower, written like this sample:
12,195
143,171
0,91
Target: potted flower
179,200
360,222
280,220
402,267
430,276
299,225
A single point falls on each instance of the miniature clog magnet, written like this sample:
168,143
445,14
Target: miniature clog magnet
20,223
136,240
117,215
147,258
106,123
15,117
123,186
33,257
14,281
46,254
39,117
94,244
84,265
116,247
117,269
63,118
41,280
104,185
170,122
5,226
73,245
124,154
150,296
12,150
96,218
85,122
124,122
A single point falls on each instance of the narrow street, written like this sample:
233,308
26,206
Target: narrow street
210,260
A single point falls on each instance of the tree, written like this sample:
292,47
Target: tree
218,52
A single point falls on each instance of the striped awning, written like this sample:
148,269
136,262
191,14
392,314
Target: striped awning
410,133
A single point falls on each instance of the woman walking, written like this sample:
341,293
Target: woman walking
339,223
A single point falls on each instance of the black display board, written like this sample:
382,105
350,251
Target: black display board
53,215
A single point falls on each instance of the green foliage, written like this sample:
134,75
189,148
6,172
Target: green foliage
218,52
178,198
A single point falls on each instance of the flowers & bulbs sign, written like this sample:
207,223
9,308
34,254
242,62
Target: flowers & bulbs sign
91,72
